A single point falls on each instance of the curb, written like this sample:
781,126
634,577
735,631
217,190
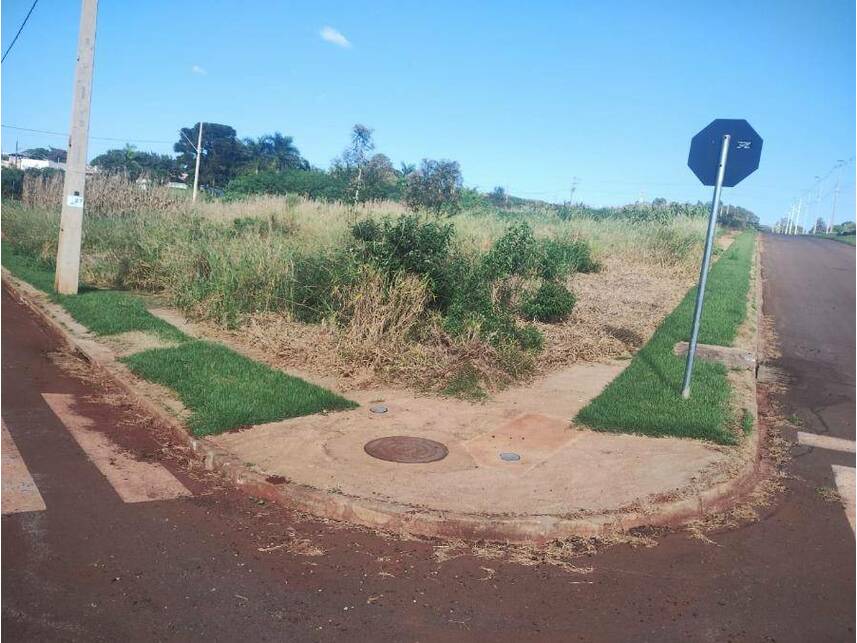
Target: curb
386,516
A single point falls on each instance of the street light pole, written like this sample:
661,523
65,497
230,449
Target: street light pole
796,220
198,154
835,197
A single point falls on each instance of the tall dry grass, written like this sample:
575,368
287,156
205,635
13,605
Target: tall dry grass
264,265
106,195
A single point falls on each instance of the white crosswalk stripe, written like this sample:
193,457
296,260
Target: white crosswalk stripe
843,476
19,489
825,442
845,485
133,480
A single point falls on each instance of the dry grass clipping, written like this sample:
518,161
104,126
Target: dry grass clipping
617,311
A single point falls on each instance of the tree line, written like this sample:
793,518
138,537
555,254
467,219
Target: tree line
272,164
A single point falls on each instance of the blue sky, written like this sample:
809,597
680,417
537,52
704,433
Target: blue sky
523,95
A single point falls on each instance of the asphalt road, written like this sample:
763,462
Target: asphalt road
219,566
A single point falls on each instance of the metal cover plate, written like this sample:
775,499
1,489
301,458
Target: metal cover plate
406,449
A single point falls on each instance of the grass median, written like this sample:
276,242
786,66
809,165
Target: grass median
646,397
841,238
221,389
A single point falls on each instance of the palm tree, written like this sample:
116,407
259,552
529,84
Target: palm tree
274,152
284,152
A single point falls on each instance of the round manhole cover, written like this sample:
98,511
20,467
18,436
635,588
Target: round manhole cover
407,449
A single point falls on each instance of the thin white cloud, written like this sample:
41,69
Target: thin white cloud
332,36
196,69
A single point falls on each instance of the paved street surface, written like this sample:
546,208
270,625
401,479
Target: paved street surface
108,535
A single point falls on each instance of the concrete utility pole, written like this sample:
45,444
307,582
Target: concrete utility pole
71,219
198,154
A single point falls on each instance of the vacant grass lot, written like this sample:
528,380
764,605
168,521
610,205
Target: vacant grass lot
221,389
291,276
646,397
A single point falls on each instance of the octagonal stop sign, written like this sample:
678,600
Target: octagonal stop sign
745,150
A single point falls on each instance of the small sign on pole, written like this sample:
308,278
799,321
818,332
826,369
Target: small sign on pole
723,154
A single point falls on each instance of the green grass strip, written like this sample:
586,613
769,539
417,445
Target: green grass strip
104,312
841,238
225,390
646,397
27,268
222,389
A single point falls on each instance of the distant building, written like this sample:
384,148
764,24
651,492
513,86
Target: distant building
24,163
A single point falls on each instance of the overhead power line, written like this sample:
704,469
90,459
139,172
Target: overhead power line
96,138
20,29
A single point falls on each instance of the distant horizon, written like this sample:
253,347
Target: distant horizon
534,100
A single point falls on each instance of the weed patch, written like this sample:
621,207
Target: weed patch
464,384
746,422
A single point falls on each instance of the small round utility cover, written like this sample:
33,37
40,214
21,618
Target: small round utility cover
510,457
378,408
406,449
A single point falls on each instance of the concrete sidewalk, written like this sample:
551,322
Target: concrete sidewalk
565,480
564,471
568,479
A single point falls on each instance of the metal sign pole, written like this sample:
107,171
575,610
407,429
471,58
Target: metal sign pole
706,260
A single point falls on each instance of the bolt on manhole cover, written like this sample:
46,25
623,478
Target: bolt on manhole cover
406,449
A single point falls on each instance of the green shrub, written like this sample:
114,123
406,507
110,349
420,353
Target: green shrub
367,230
515,253
552,302
313,184
463,290
412,245
13,182
317,284
435,187
474,312
557,258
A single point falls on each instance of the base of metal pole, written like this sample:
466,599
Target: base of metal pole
706,262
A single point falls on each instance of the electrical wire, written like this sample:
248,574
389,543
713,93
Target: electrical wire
95,138
20,29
